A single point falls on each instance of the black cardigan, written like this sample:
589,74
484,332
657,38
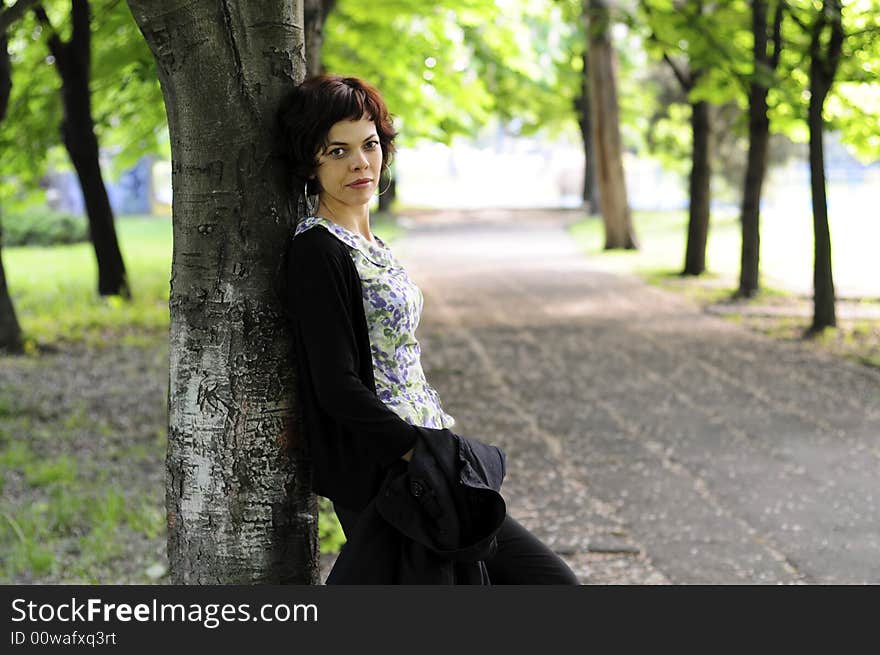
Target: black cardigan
352,435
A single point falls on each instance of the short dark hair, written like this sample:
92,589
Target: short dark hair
308,111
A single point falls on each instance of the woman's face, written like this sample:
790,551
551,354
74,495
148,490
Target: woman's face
348,168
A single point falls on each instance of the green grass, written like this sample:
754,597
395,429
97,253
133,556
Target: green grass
786,256
55,295
661,238
61,518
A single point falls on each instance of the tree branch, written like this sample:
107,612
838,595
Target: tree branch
798,21
683,79
835,44
777,35
80,16
54,41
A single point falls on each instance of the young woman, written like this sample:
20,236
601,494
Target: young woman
364,394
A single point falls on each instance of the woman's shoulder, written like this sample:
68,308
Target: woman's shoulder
313,236
317,252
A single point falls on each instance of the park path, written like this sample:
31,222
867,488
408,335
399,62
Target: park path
647,442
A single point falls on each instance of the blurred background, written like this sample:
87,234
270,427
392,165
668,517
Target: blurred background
493,103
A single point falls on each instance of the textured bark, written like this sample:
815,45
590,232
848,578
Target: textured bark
73,63
759,137
10,331
700,191
823,67
315,14
590,191
606,129
240,510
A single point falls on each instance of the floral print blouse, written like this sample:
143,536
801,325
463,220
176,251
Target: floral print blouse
393,306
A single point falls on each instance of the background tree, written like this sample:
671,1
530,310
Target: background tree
315,13
72,61
10,331
678,34
127,104
126,100
240,510
826,44
829,62
564,88
590,189
766,49
553,94
616,215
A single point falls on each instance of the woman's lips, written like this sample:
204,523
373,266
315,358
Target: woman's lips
360,184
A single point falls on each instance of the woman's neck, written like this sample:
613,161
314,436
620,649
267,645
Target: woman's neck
353,219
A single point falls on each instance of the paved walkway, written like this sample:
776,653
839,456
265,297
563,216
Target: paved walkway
647,442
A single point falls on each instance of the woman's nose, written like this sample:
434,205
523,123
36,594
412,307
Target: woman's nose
360,160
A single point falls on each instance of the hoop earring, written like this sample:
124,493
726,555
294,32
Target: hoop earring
387,186
310,209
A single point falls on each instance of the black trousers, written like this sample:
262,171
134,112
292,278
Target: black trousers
522,558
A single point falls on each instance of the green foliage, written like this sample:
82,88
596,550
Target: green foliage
40,226
330,532
853,104
414,52
708,49
447,69
127,103
719,43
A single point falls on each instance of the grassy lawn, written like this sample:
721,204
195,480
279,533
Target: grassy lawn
783,307
54,288
83,416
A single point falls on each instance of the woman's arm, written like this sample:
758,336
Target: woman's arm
319,295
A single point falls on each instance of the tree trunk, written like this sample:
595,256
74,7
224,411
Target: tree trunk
10,331
72,61
700,191
590,194
756,165
240,509
823,281
315,14
606,129
823,67
759,136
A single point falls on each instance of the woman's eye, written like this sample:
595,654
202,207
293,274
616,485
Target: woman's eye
371,145
336,152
